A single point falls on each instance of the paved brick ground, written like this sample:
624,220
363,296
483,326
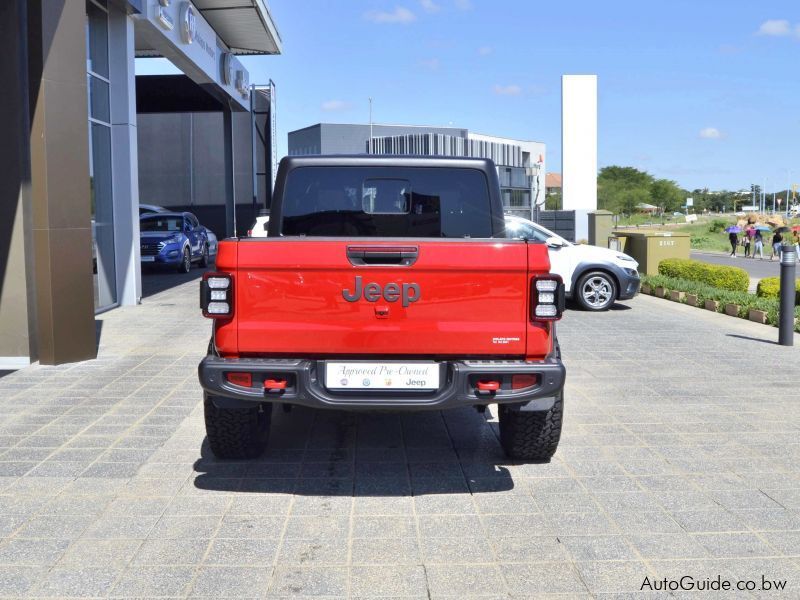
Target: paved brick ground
680,457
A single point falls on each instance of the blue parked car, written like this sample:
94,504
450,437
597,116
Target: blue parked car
173,239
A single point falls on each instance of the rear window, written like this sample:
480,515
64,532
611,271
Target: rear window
387,202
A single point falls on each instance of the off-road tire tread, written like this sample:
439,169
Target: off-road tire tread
531,435
237,433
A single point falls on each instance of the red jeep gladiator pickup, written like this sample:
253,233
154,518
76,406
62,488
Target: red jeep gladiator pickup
383,283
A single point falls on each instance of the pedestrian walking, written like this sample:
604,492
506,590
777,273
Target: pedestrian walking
796,240
777,242
758,245
733,238
746,240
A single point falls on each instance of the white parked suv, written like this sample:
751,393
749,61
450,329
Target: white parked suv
594,277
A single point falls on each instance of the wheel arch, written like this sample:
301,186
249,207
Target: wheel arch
584,268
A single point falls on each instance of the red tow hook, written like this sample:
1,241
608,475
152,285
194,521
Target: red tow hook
488,386
274,384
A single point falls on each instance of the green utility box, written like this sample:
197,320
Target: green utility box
600,226
651,247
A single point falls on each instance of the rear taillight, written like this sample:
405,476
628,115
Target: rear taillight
547,298
216,295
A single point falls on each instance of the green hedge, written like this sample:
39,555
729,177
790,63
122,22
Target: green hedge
723,277
705,292
770,287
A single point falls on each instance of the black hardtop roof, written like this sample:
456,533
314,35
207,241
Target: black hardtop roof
386,160
290,163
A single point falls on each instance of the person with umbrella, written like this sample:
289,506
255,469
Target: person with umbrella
747,238
733,237
758,242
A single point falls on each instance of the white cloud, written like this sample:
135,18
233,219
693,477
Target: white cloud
463,4
775,27
430,63
710,133
507,90
400,15
429,6
485,50
335,105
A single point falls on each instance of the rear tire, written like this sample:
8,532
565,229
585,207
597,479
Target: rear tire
531,435
237,432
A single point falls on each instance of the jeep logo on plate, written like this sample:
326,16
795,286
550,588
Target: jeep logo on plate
391,292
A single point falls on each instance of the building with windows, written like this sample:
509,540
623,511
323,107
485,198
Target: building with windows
520,164
69,190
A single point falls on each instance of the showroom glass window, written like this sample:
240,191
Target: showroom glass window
98,86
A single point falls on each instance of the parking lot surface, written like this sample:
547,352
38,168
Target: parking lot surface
680,457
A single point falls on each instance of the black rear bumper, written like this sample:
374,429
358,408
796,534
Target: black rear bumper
305,385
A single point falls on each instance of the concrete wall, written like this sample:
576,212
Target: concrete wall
579,148
351,138
17,292
305,141
125,184
60,193
182,167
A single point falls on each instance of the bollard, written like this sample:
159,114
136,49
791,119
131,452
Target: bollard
786,310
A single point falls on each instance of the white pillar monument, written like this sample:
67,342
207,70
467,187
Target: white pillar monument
579,148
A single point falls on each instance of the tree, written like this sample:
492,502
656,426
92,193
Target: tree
631,198
667,195
627,176
621,189
553,201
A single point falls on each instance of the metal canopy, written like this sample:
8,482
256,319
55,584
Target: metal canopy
244,26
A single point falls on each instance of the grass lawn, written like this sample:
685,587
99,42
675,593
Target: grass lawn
703,239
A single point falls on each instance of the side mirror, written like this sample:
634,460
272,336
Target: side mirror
554,242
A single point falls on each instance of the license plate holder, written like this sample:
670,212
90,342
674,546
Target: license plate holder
148,259
395,376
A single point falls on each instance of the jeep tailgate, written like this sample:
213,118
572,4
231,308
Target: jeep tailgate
320,297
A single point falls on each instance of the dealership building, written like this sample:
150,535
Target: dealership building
70,187
520,164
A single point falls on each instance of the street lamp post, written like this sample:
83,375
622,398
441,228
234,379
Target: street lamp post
787,292
533,173
370,125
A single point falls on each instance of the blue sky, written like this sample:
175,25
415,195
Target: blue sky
702,92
